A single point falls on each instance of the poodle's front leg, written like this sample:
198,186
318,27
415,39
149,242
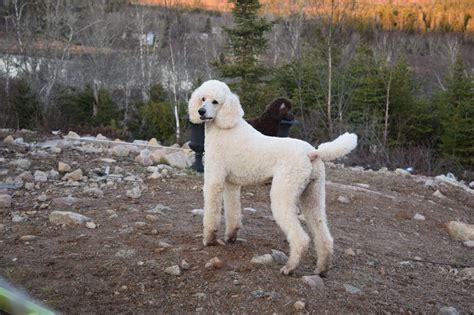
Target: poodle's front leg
233,212
212,210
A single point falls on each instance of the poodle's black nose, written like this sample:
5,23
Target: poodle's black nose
202,111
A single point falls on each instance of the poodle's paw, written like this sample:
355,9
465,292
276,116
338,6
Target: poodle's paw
322,272
210,238
287,270
231,237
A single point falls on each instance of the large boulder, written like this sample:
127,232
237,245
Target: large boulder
178,159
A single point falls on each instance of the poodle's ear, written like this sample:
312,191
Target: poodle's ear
193,106
230,113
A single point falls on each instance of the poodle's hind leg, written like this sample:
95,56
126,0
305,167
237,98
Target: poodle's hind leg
233,212
212,210
285,211
313,204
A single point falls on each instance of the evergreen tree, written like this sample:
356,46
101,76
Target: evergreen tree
456,108
246,43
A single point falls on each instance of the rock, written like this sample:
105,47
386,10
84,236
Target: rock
158,156
214,263
40,176
152,217
250,209
153,141
73,135
52,174
460,231
467,273
429,183
126,253
63,167
144,158
178,159
200,295
29,186
185,265
438,194
73,176
5,201
351,289
42,198
315,281
18,217
91,225
21,163
155,175
140,225
55,150
419,217
173,270
199,212
164,245
65,201
343,199
9,139
108,160
67,218
120,150
471,185
349,252
469,244
448,310
26,176
279,257
402,172
299,305
134,193
101,137
94,191
27,238
262,260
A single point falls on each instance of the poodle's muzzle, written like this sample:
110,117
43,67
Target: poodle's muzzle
206,111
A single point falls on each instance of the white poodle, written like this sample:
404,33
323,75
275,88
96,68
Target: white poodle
237,155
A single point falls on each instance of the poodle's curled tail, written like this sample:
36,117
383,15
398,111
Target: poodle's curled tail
337,148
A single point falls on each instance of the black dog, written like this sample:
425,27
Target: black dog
268,122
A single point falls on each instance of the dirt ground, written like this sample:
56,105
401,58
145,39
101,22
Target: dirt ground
400,265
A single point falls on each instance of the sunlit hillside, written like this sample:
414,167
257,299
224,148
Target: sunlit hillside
410,15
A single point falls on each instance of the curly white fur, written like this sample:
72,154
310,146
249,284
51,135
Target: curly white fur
237,155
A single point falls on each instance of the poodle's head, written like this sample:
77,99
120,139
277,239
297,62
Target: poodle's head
279,109
214,102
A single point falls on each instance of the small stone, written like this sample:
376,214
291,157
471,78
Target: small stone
467,273
73,135
249,209
280,257
26,176
94,191
185,265
120,150
134,193
126,253
55,150
419,217
65,201
438,194
53,174
460,231
173,270
214,263
91,225
199,212
429,183
351,289
28,238
152,217
144,158
158,156
315,281
101,137
349,252
153,141
74,176
178,159
343,199
40,176
299,305
164,245
448,310
200,295
67,218
469,244
63,167
9,139
42,197
21,163
29,186
402,172
262,260
140,225
5,201
17,217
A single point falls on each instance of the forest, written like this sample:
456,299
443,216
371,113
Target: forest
398,73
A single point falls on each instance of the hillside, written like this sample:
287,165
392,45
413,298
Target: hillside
142,252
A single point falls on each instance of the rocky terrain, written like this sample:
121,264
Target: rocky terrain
95,226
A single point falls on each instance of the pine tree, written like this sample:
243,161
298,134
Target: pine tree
246,43
456,106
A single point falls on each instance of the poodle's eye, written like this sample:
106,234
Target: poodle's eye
203,99
215,102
